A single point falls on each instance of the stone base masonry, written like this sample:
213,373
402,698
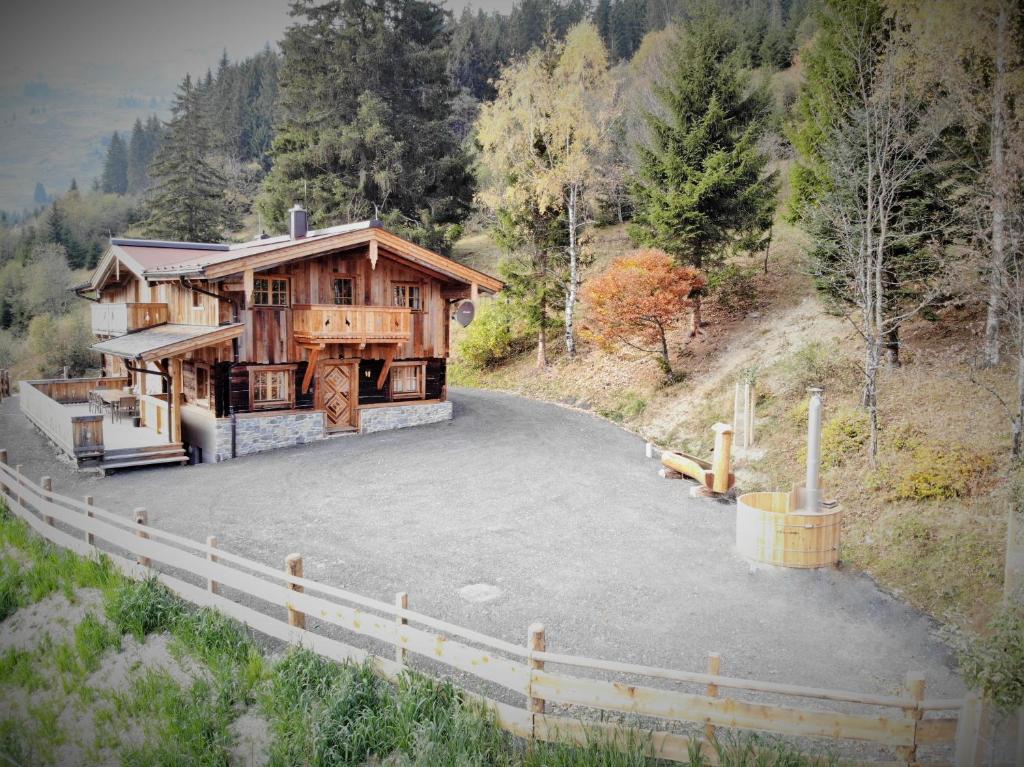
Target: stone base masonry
399,416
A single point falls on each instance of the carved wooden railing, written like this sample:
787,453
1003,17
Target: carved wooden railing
328,322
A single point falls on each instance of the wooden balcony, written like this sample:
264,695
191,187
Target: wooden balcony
119,319
356,324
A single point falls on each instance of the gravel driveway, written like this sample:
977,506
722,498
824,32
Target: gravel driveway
559,516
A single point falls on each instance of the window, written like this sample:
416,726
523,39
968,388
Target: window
344,291
270,387
407,294
407,380
270,291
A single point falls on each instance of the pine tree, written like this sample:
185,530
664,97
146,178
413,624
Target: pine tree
188,201
139,156
701,189
367,120
603,21
115,169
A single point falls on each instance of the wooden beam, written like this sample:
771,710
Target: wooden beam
389,356
307,379
175,399
248,285
373,253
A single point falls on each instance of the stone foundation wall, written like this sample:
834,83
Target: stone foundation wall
256,433
400,416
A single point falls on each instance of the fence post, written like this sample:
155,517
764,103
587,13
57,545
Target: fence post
293,566
3,461
47,485
535,642
649,450
968,732
721,465
714,669
748,431
736,425
913,686
402,603
212,585
142,519
89,537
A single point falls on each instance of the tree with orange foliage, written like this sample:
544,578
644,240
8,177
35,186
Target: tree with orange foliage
638,298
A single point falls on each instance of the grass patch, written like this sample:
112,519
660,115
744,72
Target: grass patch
142,607
182,726
18,669
626,406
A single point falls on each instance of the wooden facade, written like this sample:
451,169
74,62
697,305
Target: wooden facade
333,322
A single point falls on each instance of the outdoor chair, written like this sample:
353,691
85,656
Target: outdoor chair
126,407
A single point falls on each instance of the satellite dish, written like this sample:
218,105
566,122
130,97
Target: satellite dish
465,313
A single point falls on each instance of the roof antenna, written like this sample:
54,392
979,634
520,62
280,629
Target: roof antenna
259,219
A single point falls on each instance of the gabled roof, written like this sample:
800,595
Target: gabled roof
160,260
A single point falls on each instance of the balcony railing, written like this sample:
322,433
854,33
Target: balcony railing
363,324
118,319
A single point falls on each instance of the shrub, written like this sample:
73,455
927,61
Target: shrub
844,434
936,473
498,332
813,364
733,287
994,663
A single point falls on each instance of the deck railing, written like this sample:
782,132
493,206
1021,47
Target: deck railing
119,319
78,435
328,322
528,676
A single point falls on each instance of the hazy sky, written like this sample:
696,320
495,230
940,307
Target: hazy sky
137,44
106,63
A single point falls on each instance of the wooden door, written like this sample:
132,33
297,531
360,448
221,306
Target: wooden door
338,393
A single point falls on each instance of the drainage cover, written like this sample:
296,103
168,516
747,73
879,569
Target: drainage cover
479,592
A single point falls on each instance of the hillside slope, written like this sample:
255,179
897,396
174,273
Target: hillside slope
928,523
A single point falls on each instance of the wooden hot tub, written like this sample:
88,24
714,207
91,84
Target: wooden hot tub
767,530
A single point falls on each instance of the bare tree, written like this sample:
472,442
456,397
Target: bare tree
872,244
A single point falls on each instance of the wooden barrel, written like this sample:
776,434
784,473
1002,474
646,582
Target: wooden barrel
767,531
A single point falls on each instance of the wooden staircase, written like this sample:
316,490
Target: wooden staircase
132,457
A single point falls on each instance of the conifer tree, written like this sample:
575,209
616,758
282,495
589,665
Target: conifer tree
139,156
115,169
701,190
188,201
367,119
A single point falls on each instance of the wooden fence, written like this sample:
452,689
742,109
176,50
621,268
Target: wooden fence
662,700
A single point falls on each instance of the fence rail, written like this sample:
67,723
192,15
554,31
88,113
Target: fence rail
206,574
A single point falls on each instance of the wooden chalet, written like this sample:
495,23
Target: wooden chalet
233,349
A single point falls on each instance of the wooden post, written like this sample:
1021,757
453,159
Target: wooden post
402,603
748,431
293,566
721,465
89,537
212,586
649,450
913,686
142,519
175,397
3,460
736,423
968,732
47,485
714,668
535,642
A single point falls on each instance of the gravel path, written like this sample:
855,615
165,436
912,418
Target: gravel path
549,515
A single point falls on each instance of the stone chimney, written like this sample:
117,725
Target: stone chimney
297,222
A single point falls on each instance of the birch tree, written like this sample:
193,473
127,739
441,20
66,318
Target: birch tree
976,50
542,139
866,226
